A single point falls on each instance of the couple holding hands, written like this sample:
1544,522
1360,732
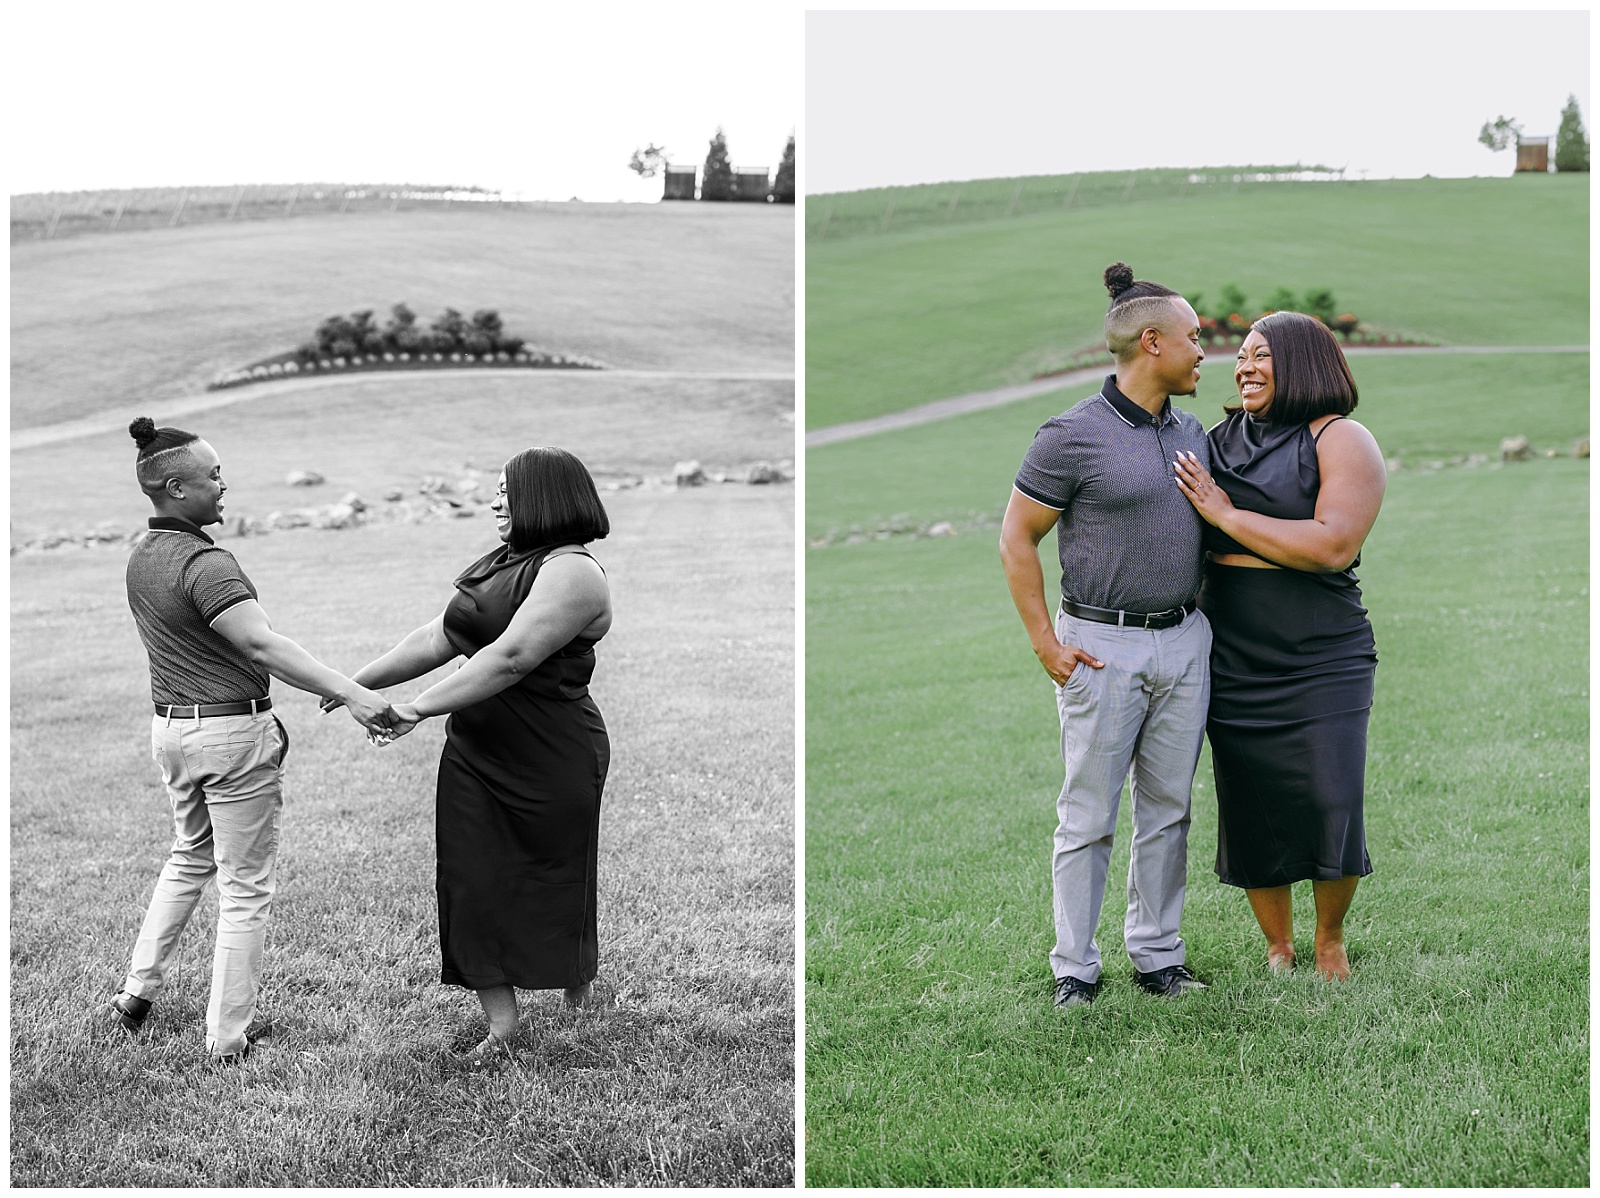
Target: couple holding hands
1207,589
520,778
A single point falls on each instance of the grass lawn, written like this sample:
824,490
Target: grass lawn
1458,1055
902,318
683,1072
101,322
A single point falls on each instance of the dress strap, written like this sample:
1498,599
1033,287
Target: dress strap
1324,429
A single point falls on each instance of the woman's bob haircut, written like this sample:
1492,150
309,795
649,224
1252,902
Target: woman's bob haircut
1310,377
553,500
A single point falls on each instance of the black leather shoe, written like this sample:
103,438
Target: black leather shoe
131,1010
1075,992
1169,982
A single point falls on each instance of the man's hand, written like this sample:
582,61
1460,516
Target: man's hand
368,708
403,717
1060,660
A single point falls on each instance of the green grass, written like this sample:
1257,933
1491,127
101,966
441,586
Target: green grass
683,1073
1457,1055
103,322
936,310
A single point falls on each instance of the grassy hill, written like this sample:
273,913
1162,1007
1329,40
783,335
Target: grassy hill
101,322
903,317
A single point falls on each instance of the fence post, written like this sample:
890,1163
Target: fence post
293,196
1014,196
178,211
122,203
236,201
394,202
345,202
826,217
1073,190
951,211
54,221
887,214
1128,190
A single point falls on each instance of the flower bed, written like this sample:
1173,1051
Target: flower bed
354,343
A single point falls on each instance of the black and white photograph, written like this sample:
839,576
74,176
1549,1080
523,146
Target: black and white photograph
402,609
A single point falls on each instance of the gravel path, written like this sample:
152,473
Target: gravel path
977,401
118,419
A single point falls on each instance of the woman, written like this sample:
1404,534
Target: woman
525,753
1293,490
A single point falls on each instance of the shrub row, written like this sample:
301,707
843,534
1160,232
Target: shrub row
348,336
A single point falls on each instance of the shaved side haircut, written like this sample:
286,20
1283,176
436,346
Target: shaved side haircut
163,453
1136,305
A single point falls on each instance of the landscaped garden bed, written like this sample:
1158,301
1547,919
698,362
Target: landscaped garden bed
346,344
1223,327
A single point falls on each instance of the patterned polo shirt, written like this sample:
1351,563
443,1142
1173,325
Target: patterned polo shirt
1127,538
179,581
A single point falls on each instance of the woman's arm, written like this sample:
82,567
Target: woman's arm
567,597
1353,479
423,649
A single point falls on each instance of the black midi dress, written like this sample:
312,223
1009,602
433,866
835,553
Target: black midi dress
1292,667
518,810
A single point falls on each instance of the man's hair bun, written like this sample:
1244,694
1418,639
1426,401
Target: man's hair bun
1119,277
143,431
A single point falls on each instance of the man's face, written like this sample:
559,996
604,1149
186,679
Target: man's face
1181,351
198,494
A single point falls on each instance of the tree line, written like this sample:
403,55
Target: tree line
717,180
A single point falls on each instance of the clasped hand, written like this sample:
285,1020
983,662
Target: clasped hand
384,722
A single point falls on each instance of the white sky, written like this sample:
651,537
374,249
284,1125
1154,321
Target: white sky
542,99
920,97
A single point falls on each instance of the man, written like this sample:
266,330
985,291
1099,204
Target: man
1128,651
212,657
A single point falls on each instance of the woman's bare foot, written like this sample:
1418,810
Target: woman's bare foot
1280,961
576,996
1332,961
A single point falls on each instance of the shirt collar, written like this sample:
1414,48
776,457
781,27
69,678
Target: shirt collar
177,524
1127,409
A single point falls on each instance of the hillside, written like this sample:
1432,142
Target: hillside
101,322
899,318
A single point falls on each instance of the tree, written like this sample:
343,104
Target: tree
1499,133
716,180
783,182
649,162
1572,144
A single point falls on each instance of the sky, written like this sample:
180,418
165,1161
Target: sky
905,97
546,101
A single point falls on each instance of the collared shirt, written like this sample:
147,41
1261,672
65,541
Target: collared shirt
1127,538
179,582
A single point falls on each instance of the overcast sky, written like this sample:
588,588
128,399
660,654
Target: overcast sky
547,100
921,97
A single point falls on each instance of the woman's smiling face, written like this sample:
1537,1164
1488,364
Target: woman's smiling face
501,508
1253,374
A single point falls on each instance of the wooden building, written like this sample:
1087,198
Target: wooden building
751,184
679,183
1533,154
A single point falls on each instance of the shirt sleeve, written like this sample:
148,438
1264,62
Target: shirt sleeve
214,583
1049,474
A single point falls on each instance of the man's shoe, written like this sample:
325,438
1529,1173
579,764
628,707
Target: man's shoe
130,1009
223,1060
1075,992
1169,982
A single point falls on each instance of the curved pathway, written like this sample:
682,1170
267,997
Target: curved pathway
977,401
118,419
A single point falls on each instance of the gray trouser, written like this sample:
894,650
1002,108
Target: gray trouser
1142,717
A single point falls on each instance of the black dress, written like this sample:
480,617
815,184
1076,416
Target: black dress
1292,665
518,811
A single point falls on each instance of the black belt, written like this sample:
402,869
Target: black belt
1128,619
248,707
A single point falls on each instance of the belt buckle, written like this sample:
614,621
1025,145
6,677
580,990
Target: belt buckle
1152,615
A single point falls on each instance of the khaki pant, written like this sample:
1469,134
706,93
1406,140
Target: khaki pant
1140,719
224,776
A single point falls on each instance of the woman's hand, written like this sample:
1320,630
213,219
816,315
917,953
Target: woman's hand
403,717
1200,489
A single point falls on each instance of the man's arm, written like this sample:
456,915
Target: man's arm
245,625
1025,525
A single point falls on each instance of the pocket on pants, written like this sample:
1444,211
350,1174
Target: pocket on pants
216,758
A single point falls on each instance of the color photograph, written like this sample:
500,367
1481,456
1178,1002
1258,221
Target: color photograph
1196,599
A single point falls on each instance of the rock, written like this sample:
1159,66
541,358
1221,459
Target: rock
464,511
1549,453
942,529
762,472
235,526
1580,447
466,486
394,495
1515,449
304,478
432,484
1393,464
288,520
354,502
336,515
688,474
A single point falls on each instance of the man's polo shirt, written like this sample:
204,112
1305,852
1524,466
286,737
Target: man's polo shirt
1127,537
179,581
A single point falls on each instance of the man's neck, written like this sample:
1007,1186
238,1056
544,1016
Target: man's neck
1147,393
